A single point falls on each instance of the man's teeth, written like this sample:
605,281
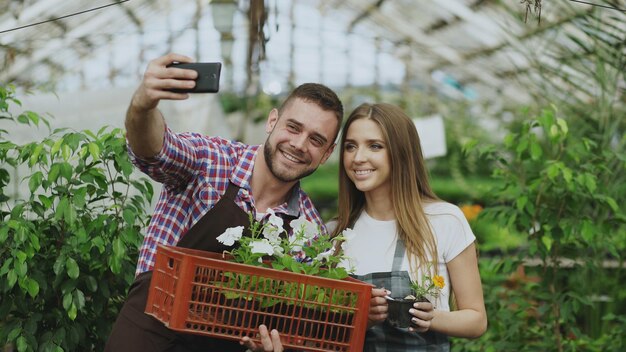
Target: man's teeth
291,158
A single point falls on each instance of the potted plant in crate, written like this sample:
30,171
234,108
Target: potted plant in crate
305,251
286,280
429,287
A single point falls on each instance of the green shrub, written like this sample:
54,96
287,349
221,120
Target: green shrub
560,187
68,250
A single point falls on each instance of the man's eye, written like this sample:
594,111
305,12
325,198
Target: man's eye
317,142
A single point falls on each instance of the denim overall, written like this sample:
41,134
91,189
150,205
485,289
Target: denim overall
386,338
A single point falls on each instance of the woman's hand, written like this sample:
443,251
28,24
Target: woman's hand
378,307
270,341
423,313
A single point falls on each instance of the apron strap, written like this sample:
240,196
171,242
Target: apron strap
398,256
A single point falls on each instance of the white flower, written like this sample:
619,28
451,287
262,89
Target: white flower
231,235
274,220
325,255
271,234
262,246
348,263
348,234
278,251
296,243
308,229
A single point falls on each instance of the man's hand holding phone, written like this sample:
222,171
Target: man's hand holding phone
173,76
207,80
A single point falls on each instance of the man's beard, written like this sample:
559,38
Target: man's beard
268,153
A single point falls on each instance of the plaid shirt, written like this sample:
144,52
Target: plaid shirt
195,171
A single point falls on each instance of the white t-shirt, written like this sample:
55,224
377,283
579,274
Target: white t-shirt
373,247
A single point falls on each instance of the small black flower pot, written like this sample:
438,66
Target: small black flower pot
398,312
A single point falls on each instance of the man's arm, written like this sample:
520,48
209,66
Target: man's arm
145,125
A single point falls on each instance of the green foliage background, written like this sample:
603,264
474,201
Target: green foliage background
69,250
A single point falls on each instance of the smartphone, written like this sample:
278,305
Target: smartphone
208,80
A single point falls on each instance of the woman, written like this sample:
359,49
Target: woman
403,230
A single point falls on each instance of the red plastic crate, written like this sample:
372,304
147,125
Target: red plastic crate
201,293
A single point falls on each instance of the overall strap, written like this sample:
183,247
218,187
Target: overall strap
398,256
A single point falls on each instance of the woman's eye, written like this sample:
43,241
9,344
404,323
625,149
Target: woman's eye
376,146
348,146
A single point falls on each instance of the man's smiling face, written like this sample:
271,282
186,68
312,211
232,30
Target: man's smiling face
300,140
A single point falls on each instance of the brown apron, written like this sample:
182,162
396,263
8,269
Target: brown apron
136,331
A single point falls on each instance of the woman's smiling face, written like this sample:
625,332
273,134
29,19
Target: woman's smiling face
366,157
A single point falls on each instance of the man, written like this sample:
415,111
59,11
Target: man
210,184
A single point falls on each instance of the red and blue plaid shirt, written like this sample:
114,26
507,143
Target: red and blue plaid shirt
195,171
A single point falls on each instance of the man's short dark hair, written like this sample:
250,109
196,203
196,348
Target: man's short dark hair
321,96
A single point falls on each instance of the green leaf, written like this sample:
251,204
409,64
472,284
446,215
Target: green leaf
21,256
79,197
563,125
66,171
56,147
67,300
612,203
12,278
552,171
129,216
61,208
21,344
554,131
91,283
34,117
521,203
70,215
34,241
72,312
118,248
79,299
522,146
55,171
590,182
46,201
4,234
547,241
59,265
35,155
14,333
33,287
66,152
535,151
21,269
94,151
35,181
72,268
567,174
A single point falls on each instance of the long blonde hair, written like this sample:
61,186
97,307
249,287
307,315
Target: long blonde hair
409,183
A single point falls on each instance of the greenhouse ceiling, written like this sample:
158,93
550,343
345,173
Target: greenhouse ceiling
482,50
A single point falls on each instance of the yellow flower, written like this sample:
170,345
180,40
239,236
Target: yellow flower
471,211
439,281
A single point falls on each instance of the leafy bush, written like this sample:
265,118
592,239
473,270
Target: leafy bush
68,250
559,189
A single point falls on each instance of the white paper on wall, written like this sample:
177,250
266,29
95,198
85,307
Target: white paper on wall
432,135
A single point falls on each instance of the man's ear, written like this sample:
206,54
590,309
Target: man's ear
328,152
272,118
